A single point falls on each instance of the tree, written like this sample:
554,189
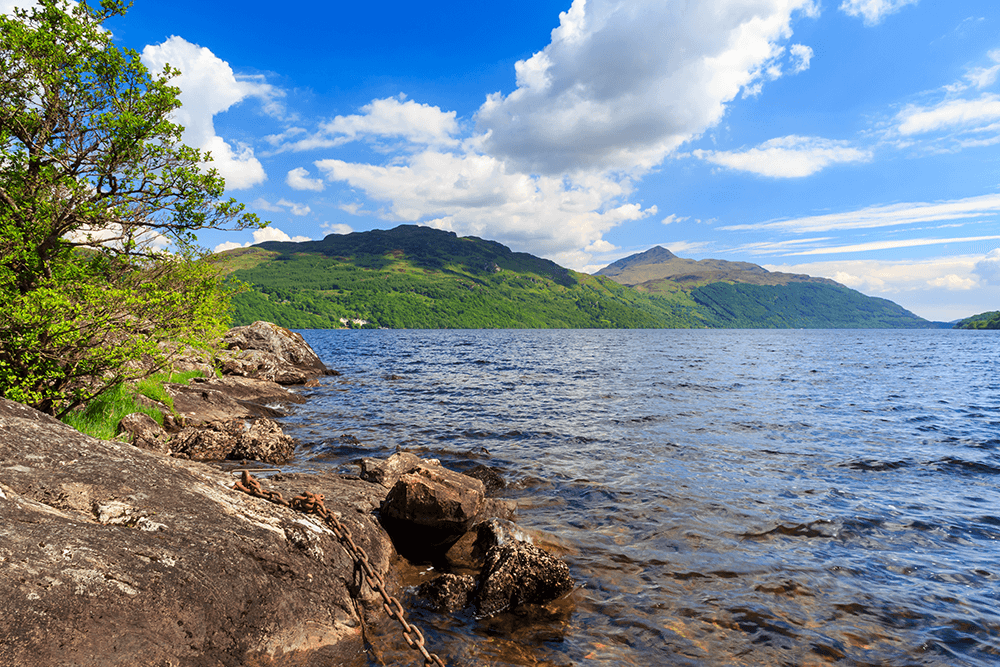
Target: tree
95,184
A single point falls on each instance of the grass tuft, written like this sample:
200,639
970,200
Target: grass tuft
100,417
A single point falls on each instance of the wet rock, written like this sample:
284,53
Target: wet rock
269,352
114,556
490,477
448,593
494,531
257,440
429,509
517,573
143,431
387,472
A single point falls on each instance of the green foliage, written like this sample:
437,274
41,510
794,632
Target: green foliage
316,291
101,416
416,277
799,305
987,320
152,387
93,182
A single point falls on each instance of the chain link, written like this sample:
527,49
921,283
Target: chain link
312,503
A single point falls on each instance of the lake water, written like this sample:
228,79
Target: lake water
722,497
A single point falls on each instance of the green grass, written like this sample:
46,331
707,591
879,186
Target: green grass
101,416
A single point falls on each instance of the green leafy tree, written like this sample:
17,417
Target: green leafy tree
94,185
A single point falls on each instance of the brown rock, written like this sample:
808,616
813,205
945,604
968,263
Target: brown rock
448,593
143,431
517,573
111,556
270,352
387,472
257,440
429,508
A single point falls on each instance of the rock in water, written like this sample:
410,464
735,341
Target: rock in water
429,509
517,573
448,592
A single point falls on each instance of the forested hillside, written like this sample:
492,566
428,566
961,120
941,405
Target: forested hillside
987,320
416,277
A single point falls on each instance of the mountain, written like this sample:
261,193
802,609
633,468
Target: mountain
744,295
987,320
418,277
656,264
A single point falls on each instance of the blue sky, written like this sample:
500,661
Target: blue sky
853,139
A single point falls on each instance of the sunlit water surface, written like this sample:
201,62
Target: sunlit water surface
722,497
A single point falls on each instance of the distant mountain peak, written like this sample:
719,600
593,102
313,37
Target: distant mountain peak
655,255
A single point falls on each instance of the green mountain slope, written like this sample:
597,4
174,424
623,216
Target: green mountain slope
417,277
747,296
987,320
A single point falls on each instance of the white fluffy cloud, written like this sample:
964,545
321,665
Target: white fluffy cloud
873,11
330,228
392,118
475,194
550,166
787,157
988,268
260,236
623,84
209,86
950,114
282,206
299,179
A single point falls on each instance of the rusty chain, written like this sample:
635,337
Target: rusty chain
312,503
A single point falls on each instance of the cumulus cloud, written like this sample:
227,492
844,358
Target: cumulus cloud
392,117
787,157
550,166
802,55
282,206
949,114
299,179
330,228
981,77
260,236
988,268
621,85
475,194
275,234
873,11
209,86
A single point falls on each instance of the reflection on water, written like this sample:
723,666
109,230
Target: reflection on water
723,497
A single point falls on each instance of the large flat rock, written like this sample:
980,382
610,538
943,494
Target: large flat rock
111,555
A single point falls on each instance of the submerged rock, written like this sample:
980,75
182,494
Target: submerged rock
448,592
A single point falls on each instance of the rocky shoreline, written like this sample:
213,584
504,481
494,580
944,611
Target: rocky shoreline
124,553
